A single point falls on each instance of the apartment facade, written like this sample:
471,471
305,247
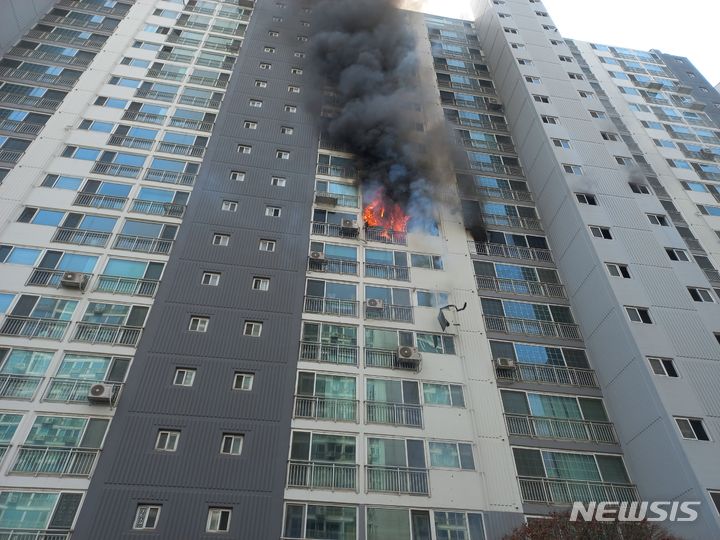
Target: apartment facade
260,363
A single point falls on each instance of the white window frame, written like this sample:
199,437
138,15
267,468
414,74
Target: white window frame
184,377
244,149
287,130
229,206
661,365
278,181
232,439
221,239
616,270
143,514
256,103
267,245
237,176
273,211
260,83
249,124
562,143
290,109
636,310
571,168
282,154
658,219
210,279
260,284
172,438
680,254
599,230
586,198
704,295
215,515
687,420
242,380
252,328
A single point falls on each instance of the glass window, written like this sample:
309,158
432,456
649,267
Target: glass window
5,301
8,426
19,255
78,366
26,509
63,431
54,308
26,362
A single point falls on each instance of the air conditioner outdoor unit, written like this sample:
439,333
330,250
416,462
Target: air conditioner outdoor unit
409,354
100,393
73,280
317,255
349,224
375,303
505,363
326,199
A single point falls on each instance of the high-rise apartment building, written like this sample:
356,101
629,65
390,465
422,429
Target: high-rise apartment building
206,332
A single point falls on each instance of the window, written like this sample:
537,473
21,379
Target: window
184,377
586,95
566,59
561,143
550,119
252,328
167,440
272,211
290,108
586,198
418,260
243,381
257,103
221,239
261,84
250,125
532,80
299,54
658,219
576,76
273,33
524,61
265,65
609,136
517,45
296,71
600,232
443,394
597,114
541,99
663,366
700,295
229,206
639,314
146,516
267,245
199,324
451,455
640,189
572,169
260,284
211,278
282,154
293,89
278,181
625,161
510,30
618,270
677,254
270,50
95,125
244,149
218,520
302,39
231,444
237,176
692,429
286,130
638,108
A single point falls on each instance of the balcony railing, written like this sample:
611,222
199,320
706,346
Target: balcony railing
337,199
323,408
397,480
19,386
170,177
116,9
488,145
130,142
331,306
329,353
565,492
510,252
181,149
75,22
158,208
517,286
46,56
509,194
53,461
532,327
34,534
81,237
384,358
116,169
143,244
141,116
516,222
183,40
385,236
93,200
107,333
395,414
149,93
334,229
129,286
196,101
387,271
46,277
224,47
547,374
166,74
24,128
10,156
390,312
38,102
337,170
77,390
208,81
34,328
58,37
60,80
539,427
333,266
497,168
186,123
173,56
309,474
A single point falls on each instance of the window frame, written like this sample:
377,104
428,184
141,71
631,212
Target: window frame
171,436
198,321
183,373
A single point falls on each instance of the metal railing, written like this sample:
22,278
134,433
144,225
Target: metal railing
170,177
407,480
157,208
130,142
332,306
173,56
38,102
94,200
117,9
149,93
508,194
329,353
334,229
60,37
141,116
310,474
46,277
78,22
186,123
488,145
129,286
323,408
209,103
544,373
334,266
532,327
387,271
509,170
25,128
77,390
341,199
81,237
516,222
390,312
510,252
385,236
518,286
208,81
483,124
54,461
33,534
183,40
10,156
396,414
19,386
565,492
47,56
142,244
37,76
337,170
384,358
32,327
181,149
539,427
233,48
107,333
219,64
167,75
116,169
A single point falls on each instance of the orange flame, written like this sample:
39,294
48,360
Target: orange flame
385,214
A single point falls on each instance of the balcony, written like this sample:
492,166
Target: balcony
140,116
387,271
517,286
128,286
33,534
117,9
75,22
54,461
23,128
10,156
464,86
482,124
331,306
329,353
487,145
228,30
322,408
384,358
539,427
62,81
116,169
208,103
166,75
233,48
170,177
333,266
195,125
149,93
81,237
532,224
214,82
37,102
385,236
59,37
316,475
158,208
712,274
389,312
181,40
30,327
143,244
394,414
548,374
94,200
337,199
131,142
62,390
337,171
173,56
510,252
181,149
507,194
110,334
218,64
565,492
334,230
46,277
192,24
532,327
199,9
19,386
496,168
406,480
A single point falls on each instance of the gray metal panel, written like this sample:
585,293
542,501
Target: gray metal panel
19,16
682,67
196,476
